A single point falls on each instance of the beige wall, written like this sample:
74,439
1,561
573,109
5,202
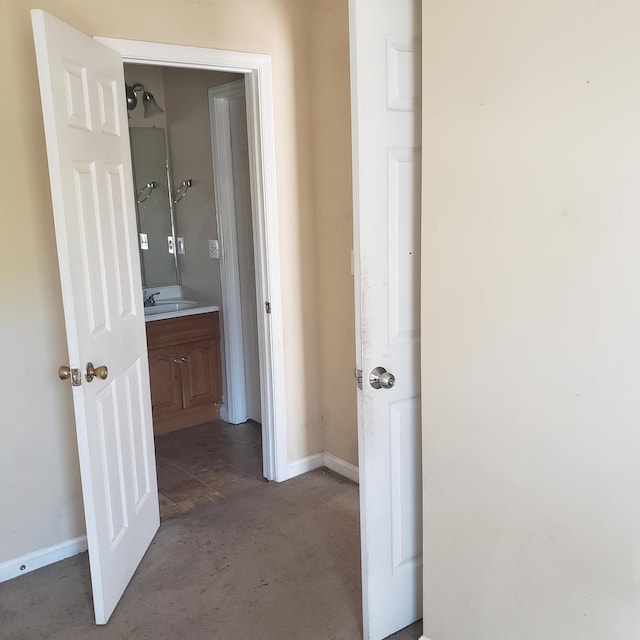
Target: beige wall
39,487
531,311
331,104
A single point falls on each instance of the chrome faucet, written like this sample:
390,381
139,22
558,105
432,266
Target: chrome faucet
150,299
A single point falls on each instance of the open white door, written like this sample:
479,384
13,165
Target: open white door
84,108
386,99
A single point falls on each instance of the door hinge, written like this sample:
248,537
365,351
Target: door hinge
358,376
267,306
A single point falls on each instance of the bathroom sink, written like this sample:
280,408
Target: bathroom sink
166,306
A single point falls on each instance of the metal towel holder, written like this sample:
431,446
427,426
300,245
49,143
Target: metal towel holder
182,190
149,187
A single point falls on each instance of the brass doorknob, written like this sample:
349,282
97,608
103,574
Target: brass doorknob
67,373
96,372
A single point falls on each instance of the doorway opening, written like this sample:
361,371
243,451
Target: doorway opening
256,73
190,158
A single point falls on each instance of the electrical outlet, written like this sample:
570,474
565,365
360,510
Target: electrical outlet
170,244
180,245
214,249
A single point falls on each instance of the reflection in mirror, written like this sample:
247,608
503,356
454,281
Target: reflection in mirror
153,206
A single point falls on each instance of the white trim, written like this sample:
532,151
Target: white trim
317,460
342,467
423,638
235,387
304,465
262,166
33,560
259,100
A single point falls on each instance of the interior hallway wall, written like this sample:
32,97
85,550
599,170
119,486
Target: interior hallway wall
530,316
39,483
331,100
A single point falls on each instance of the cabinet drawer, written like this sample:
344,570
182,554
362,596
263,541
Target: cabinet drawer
173,331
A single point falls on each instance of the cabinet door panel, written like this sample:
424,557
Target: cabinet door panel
200,373
164,376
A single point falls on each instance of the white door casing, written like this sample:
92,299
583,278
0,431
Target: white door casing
84,109
229,147
260,133
386,111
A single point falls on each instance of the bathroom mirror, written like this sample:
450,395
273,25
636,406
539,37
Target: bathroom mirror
149,154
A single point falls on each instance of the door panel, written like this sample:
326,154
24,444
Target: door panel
386,95
200,383
166,394
83,103
143,482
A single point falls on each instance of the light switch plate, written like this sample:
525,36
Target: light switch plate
214,249
180,245
144,242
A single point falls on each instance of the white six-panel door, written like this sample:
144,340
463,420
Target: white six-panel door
84,108
386,99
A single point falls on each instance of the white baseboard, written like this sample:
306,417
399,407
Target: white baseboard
342,467
423,638
338,465
41,558
298,467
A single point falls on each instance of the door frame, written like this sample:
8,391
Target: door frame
259,100
235,405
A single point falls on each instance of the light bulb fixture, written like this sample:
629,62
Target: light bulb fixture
151,107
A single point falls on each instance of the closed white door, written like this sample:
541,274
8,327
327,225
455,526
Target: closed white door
83,103
386,99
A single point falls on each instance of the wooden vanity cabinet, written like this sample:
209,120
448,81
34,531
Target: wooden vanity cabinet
184,371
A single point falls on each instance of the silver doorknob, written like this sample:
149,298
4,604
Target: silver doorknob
380,378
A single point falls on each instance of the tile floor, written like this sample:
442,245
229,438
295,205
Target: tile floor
207,463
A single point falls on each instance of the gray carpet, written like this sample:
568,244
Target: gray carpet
279,563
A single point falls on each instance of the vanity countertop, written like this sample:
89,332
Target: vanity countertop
183,312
